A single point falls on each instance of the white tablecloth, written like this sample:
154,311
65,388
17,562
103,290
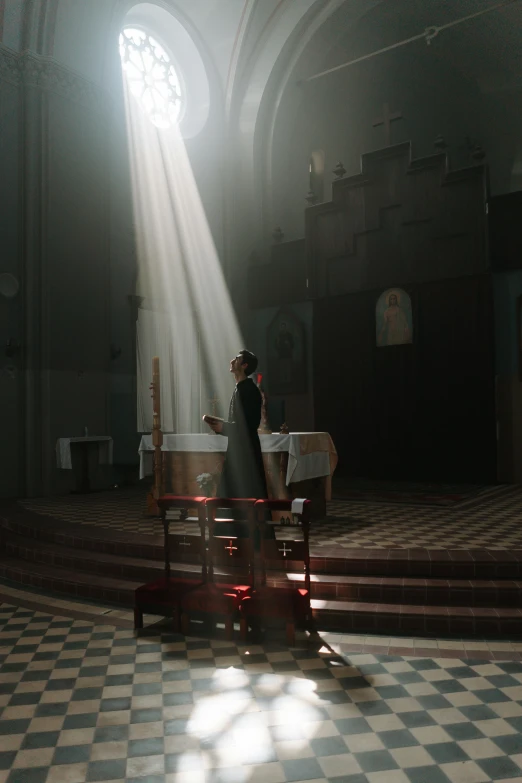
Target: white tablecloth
310,454
63,449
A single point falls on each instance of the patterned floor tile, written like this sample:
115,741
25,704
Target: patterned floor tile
144,709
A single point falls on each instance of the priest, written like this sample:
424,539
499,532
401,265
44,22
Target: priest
243,473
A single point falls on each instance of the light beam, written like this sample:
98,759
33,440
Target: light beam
188,320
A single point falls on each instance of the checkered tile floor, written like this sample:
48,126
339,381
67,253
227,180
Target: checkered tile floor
491,520
81,703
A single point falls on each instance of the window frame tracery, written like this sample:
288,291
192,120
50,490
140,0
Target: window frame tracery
162,117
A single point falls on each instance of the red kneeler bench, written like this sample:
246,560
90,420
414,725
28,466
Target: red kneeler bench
289,603
223,593
163,596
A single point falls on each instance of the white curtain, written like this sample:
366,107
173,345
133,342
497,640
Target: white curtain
175,340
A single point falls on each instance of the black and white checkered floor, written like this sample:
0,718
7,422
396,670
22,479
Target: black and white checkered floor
490,520
81,703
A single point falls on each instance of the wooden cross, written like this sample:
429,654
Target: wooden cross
284,550
184,542
387,118
230,548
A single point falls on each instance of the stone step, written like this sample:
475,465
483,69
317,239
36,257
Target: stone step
83,560
394,590
30,526
328,614
462,621
73,583
459,564
63,606
398,590
419,563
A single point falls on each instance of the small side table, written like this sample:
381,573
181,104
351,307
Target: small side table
64,458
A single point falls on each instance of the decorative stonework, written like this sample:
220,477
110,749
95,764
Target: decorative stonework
10,66
32,70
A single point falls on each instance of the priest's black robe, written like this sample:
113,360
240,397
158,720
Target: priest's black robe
243,473
243,470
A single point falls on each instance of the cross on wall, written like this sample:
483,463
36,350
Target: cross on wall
284,550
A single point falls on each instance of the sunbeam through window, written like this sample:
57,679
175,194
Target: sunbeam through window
151,76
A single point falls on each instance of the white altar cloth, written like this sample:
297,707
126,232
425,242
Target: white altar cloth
63,449
310,454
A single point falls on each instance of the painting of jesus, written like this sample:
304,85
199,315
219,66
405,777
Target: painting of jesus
286,354
393,317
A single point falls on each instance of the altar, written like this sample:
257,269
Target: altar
298,464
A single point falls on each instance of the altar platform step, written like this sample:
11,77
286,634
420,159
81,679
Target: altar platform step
474,592
419,563
73,583
347,616
373,589
421,592
134,570
334,614
437,621
477,564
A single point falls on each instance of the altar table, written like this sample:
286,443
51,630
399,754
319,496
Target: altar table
299,464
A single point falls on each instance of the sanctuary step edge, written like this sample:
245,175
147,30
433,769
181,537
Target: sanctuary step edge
396,591
374,589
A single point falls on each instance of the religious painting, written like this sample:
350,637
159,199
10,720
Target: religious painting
393,318
286,352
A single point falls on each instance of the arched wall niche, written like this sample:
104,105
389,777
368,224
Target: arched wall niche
274,72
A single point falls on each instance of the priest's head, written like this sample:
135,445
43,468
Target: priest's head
245,361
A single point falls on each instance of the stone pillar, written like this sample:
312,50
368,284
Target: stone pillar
36,402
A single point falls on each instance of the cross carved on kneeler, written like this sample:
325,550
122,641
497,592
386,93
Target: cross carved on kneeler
230,548
386,120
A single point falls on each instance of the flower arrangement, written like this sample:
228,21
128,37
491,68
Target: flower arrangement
205,482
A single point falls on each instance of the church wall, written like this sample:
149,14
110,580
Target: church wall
54,236
337,116
77,268
336,113
299,408
421,411
507,290
11,23
441,89
122,403
86,41
81,256
11,324
501,135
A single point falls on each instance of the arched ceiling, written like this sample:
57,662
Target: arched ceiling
244,39
256,48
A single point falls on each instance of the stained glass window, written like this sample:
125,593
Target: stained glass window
152,77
